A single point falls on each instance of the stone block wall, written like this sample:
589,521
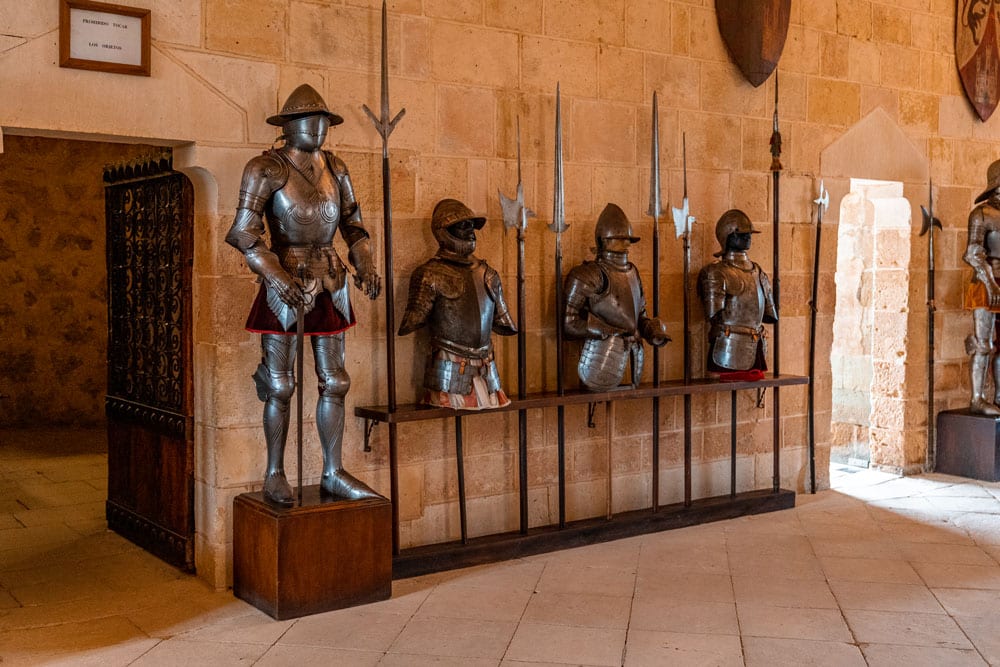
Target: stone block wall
465,72
53,280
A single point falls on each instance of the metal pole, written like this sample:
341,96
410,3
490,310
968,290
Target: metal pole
682,226
460,463
776,289
929,223
655,210
385,126
822,202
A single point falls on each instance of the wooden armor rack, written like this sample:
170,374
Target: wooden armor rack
532,540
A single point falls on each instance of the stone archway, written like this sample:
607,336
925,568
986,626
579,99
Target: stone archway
877,180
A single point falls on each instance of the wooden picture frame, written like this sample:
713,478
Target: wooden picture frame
103,37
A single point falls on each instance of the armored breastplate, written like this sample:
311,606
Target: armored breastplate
744,297
305,210
991,240
463,314
620,304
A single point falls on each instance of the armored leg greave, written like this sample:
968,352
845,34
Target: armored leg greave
275,382
334,382
980,347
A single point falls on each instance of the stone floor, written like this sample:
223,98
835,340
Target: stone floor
880,571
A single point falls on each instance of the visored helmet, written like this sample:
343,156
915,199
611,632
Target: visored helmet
733,221
450,212
613,224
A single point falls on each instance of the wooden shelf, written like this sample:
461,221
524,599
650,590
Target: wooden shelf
412,412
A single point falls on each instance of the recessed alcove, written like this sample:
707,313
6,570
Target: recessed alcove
877,320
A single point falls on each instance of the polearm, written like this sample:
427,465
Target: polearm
558,225
515,215
929,223
776,281
822,203
682,227
655,210
385,126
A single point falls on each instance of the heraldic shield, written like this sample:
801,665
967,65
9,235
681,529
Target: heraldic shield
977,52
754,32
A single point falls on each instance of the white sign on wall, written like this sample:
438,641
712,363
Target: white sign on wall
103,37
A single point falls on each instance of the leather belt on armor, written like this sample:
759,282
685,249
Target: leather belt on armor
484,352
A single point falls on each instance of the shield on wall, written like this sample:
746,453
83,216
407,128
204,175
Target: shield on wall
977,52
754,32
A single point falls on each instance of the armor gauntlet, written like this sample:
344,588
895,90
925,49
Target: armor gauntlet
367,279
503,323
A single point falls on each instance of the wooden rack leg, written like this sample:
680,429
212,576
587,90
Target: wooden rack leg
522,486
394,486
609,415
732,445
777,437
461,480
687,450
656,454
561,448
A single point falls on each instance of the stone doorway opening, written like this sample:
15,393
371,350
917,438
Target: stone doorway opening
869,355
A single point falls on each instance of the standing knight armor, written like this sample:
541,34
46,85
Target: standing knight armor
459,297
301,195
982,296
736,294
606,308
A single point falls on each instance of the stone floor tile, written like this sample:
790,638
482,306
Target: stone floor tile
690,587
885,597
65,589
93,633
587,580
982,528
952,575
893,655
906,628
254,628
986,505
484,604
969,602
746,564
173,652
114,655
41,494
315,656
63,514
984,633
717,618
22,540
656,649
951,554
772,652
594,611
560,643
961,489
616,555
875,570
788,623
356,629
7,601
517,575
680,558
404,660
852,547
407,596
456,638
935,532
783,593
761,543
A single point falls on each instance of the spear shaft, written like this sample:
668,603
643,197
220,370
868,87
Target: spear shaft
655,211
776,280
558,226
822,202
385,126
516,214
682,227
929,223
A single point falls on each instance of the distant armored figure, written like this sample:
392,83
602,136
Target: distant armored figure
459,297
606,308
983,294
303,195
736,294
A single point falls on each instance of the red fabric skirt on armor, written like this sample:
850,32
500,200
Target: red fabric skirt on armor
322,320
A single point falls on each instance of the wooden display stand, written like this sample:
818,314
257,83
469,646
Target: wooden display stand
968,445
325,554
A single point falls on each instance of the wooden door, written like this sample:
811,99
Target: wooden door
149,216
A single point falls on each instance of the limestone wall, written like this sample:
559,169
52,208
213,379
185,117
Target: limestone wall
53,280
465,71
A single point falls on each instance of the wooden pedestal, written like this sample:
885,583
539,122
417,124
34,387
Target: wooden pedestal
968,445
326,554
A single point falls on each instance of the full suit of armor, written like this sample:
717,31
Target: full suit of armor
606,308
303,195
736,295
983,294
459,297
